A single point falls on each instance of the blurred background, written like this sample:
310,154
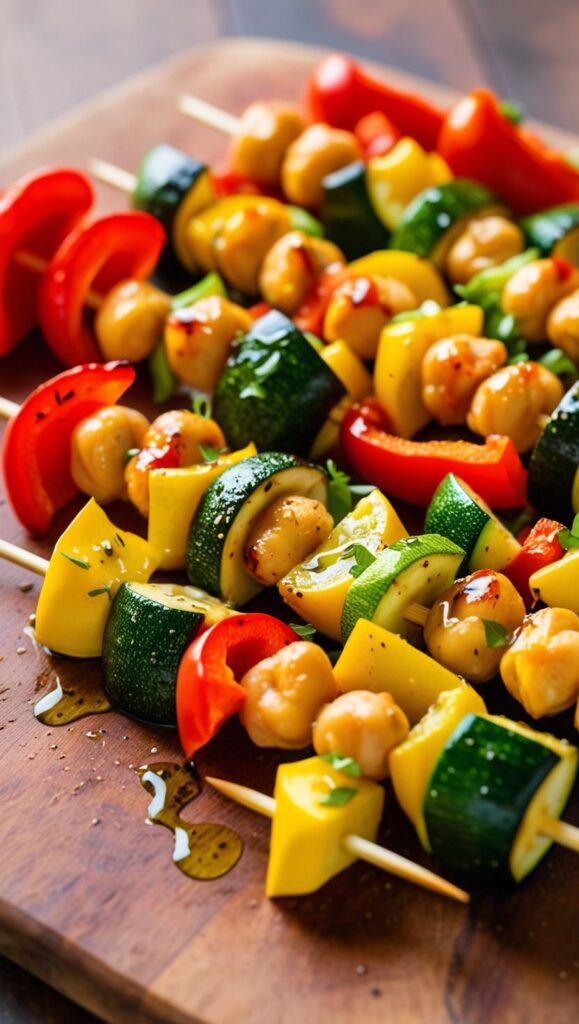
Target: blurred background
56,54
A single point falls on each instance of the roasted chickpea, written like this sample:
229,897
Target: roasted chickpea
359,309
243,241
198,339
180,431
455,631
267,128
98,452
283,535
512,401
129,322
452,370
284,693
291,268
541,668
485,242
532,291
318,151
363,725
563,326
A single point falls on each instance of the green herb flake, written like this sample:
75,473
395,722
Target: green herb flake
569,539
495,634
363,560
254,390
203,406
338,797
99,591
348,765
339,494
210,454
120,540
76,561
303,629
512,111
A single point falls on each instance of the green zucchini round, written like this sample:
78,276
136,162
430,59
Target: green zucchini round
436,215
456,512
348,215
554,465
554,232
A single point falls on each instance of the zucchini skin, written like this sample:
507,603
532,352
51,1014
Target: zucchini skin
433,211
546,229
478,794
452,513
555,460
164,177
348,215
275,390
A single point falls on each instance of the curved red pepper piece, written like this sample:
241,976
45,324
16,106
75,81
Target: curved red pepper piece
376,134
477,141
208,690
541,547
36,450
36,214
95,257
412,470
340,93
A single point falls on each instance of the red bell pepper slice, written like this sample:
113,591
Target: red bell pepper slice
36,450
339,92
376,134
540,548
478,141
93,258
36,214
412,470
310,315
208,689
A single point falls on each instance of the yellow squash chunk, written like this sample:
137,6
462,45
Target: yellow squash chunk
89,562
398,369
558,584
306,838
316,589
394,179
174,495
200,196
419,274
413,762
358,383
378,660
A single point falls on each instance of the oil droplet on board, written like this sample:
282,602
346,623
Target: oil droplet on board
202,850
67,704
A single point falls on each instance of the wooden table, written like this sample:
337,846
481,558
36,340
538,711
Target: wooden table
366,947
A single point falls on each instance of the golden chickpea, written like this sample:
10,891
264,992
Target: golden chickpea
198,339
283,535
361,306
452,370
129,322
98,451
291,267
563,326
363,725
511,402
267,128
485,242
455,633
318,151
181,432
244,239
541,668
284,693
532,291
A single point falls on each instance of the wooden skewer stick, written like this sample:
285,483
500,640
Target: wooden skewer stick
31,261
356,846
560,832
8,409
26,559
207,114
110,174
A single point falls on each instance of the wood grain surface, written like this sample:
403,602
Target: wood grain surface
89,898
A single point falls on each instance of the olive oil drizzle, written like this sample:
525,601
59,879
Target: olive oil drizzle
202,850
65,704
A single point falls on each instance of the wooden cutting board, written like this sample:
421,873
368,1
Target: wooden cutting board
90,900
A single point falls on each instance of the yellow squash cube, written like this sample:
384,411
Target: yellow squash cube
395,178
558,584
421,276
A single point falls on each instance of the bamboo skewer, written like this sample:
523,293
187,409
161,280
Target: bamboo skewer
561,832
31,261
8,409
110,174
209,115
356,846
26,559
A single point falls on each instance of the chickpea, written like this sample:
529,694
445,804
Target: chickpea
317,152
179,430
99,447
284,693
563,326
512,401
363,725
452,370
265,132
485,242
243,241
198,339
283,535
455,632
361,306
129,322
291,267
541,668
532,291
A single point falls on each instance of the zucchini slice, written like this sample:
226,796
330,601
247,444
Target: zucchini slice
348,215
227,512
461,515
412,570
554,467
491,785
436,217
276,390
149,627
555,232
